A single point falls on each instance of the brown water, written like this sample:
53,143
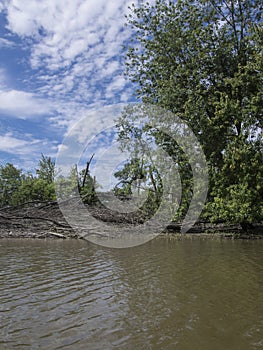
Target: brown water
166,294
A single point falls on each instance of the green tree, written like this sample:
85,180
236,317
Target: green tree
87,185
10,180
238,188
203,61
17,188
46,169
33,189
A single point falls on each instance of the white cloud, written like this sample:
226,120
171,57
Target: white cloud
22,104
26,145
8,143
77,43
115,85
3,78
76,60
6,43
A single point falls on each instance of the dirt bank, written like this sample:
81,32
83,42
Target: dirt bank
45,220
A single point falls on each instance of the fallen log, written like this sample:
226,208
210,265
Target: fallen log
59,235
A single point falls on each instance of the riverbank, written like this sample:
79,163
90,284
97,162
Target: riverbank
15,233
45,220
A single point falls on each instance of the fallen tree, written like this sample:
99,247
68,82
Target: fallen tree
45,220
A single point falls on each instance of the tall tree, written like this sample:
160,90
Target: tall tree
10,180
202,60
46,169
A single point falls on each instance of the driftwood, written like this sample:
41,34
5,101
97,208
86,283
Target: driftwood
44,219
26,217
59,235
34,219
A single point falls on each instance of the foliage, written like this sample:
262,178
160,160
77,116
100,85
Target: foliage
33,190
203,61
140,179
10,181
46,169
17,188
238,188
87,186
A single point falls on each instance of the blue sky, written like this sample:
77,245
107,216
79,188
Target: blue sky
59,60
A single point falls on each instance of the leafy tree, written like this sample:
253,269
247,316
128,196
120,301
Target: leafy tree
135,178
46,169
131,171
203,61
148,167
10,180
17,188
33,189
238,188
87,187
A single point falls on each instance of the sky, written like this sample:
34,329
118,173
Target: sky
59,60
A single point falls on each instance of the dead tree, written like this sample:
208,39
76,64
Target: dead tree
87,171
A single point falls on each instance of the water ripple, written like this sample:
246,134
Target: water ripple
162,295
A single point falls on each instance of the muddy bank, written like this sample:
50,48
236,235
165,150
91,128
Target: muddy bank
45,220
34,220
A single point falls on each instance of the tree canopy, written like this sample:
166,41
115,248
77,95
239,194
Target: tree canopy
18,187
202,60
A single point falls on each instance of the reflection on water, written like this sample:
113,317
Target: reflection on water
166,294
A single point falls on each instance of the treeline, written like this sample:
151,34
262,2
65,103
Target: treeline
18,187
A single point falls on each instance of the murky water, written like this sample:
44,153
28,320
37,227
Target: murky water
166,294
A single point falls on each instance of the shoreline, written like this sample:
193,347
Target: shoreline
50,235
44,220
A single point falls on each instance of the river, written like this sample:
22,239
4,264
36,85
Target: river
199,294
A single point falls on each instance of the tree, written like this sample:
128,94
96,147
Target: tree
87,184
18,188
203,61
238,189
33,189
10,180
46,169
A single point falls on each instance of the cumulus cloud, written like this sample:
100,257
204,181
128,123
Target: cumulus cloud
77,44
75,59
22,104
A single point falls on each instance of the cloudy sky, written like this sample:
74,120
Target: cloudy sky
59,60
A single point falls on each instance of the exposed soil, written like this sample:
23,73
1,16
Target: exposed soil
45,220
